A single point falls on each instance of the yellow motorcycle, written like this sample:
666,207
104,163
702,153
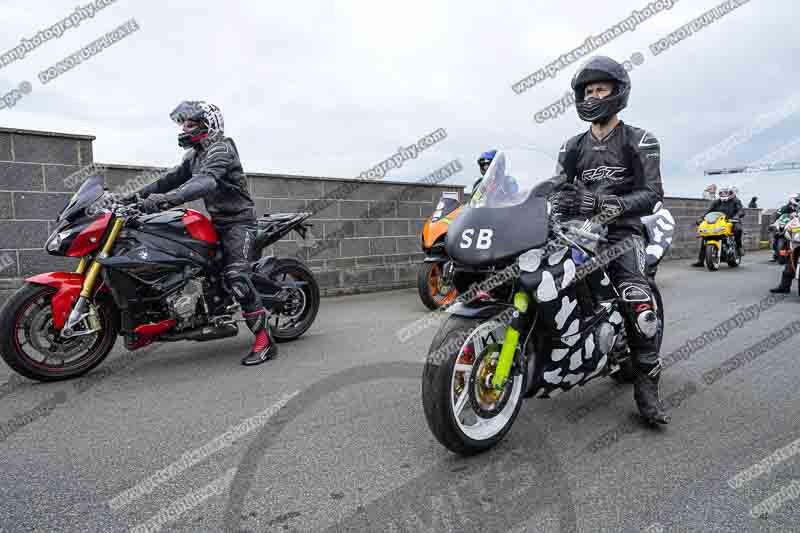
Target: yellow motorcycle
716,230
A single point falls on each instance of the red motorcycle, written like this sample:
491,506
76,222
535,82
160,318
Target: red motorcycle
151,278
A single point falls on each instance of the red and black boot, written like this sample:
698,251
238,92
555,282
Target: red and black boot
264,347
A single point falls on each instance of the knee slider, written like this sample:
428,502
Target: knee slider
638,301
646,321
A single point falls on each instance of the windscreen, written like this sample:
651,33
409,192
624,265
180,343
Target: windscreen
89,193
511,177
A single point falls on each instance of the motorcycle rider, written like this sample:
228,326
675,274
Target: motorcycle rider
729,204
617,170
211,170
484,161
790,207
787,275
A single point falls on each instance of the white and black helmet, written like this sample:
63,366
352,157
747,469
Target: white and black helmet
595,69
211,126
727,192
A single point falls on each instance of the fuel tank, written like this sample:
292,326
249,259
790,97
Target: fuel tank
164,243
180,225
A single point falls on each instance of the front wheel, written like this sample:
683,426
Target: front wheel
33,347
463,411
712,257
300,309
433,292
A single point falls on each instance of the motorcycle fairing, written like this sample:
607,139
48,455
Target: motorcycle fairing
69,286
575,358
660,228
481,310
528,229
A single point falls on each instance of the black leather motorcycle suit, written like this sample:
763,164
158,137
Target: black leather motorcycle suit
215,174
731,209
626,165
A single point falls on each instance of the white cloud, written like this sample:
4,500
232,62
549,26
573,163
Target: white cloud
312,87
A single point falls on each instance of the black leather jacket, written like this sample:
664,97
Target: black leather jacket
788,208
626,164
216,176
732,208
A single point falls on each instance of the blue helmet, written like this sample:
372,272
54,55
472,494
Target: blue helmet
485,160
487,155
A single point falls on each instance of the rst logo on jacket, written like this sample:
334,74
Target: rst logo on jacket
603,173
484,241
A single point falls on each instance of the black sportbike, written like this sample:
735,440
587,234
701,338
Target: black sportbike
554,320
152,278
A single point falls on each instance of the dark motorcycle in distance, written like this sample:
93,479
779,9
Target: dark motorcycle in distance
554,323
780,248
152,278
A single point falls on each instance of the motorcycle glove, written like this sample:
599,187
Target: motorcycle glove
586,204
155,203
572,202
130,198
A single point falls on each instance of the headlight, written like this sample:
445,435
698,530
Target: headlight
54,245
703,230
719,230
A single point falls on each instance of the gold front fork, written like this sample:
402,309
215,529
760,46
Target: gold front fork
94,268
82,266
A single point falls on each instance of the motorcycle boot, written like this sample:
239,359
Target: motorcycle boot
701,257
785,285
645,393
264,348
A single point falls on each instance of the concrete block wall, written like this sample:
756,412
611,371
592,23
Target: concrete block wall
33,165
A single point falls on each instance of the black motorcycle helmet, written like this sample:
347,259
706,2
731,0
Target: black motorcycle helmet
210,124
601,68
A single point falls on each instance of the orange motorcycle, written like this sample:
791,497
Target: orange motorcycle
435,277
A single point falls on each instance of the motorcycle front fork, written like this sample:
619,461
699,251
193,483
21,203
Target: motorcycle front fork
511,340
447,273
83,318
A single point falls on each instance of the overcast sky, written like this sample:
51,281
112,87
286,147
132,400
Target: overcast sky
332,88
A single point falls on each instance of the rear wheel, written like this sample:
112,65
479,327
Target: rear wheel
32,346
712,257
301,308
433,292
